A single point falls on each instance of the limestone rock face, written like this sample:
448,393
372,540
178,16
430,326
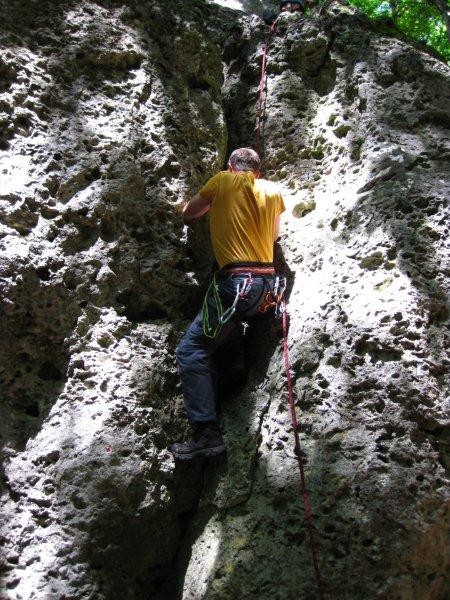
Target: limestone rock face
112,112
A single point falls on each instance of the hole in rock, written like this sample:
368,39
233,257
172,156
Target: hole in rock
23,121
134,311
95,173
32,410
43,273
78,502
141,429
49,372
147,313
142,236
380,406
199,84
338,553
70,285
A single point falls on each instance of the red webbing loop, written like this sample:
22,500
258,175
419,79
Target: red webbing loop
262,90
304,491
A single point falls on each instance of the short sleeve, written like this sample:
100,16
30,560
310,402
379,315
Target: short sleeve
209,190
277,197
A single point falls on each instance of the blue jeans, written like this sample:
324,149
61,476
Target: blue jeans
195,349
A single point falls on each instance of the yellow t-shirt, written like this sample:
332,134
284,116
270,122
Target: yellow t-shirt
242,216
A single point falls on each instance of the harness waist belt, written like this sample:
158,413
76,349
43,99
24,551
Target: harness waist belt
252,270
258,268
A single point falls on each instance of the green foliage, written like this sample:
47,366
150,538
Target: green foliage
418,19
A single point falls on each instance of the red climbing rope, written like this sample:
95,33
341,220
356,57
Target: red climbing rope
295,427
263,89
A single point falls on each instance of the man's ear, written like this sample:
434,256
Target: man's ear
231,168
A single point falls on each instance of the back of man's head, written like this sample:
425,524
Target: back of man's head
244,159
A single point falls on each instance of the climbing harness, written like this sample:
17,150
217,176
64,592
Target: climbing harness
223,317
272,297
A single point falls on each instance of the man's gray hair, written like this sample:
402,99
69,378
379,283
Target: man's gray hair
244,159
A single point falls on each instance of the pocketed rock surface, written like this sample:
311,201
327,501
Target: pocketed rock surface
112,112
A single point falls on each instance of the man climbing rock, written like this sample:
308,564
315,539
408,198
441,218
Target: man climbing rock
244,223
269,15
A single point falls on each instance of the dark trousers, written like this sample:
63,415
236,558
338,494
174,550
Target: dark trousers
195,349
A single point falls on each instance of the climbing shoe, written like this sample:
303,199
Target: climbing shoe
207,441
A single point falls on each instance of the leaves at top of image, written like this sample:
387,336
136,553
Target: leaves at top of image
426,21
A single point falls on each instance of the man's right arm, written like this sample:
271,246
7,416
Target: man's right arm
196,207
201,202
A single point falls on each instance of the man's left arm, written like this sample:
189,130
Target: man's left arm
281,208
276,229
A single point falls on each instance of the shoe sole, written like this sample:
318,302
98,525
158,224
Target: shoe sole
206,452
